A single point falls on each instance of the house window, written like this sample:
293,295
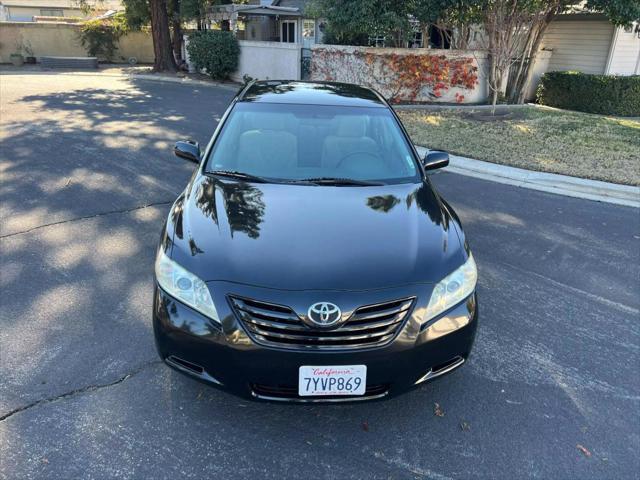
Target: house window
51,12
309,28
376,41
288,31
416,41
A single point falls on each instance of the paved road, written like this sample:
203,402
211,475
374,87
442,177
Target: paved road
87,177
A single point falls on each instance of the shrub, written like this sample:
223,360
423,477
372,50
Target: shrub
100,37
604,94
216,51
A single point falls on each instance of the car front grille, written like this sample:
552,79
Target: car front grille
278,325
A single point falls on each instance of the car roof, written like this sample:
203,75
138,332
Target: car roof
311,93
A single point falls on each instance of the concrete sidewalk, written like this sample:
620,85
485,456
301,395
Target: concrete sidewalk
546,182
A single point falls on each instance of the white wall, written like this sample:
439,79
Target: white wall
268,61
539,68
579,44
625,53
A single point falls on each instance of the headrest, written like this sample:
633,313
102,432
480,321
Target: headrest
352,126
269,121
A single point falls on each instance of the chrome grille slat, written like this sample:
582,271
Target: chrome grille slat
383,313
278,325
351,326
267,323
321,336
315,342
292,317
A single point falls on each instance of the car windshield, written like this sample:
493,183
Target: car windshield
285,142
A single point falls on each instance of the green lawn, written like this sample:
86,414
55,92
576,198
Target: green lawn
571,143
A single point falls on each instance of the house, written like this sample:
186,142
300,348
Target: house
589,43
31,10
281,21
285,21
275,37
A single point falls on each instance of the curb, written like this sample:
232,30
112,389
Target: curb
460,106
131,76
546,182
183,81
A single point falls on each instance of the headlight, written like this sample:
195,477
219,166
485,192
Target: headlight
184,286
452,289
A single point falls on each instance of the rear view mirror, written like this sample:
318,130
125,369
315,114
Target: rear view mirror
188,150
435,159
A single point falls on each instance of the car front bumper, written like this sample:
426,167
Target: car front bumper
223,355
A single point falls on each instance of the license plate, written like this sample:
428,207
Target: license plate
332,380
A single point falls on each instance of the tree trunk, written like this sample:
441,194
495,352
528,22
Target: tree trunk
176,27
528,73
495,82
164,61
177,41
522,63
495,90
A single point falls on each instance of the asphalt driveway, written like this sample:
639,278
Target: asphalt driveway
86,179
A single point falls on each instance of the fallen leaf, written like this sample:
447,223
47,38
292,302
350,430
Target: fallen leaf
365,426
586,452
465,426
437,410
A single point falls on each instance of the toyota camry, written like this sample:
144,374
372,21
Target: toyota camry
310,258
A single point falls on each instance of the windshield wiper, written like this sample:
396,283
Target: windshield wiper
239,175
339,181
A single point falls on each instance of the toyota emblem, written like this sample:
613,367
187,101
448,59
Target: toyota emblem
324,314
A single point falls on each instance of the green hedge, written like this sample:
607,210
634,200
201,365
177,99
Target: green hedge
215,51
604,94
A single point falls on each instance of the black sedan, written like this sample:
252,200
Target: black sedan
309,258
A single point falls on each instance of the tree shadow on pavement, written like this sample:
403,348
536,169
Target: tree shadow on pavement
76,295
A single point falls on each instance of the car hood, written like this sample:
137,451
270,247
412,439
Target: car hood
302,237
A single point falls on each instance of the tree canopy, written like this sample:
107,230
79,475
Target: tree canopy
353,22
619,12
137,11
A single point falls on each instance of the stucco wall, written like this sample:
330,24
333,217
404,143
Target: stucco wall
540,67
268,61
26,14
370,67
55,39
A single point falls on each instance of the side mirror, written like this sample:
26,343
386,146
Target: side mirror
188,150
435,159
